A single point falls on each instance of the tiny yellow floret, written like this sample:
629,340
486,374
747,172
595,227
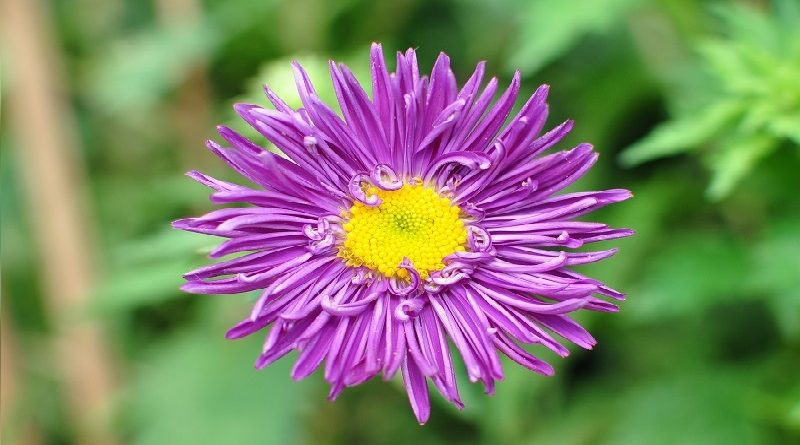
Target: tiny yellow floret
413,222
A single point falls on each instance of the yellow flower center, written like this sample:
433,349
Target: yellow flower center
413,222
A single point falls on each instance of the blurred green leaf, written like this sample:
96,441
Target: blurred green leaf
672,284
279,77
704,407
788,11
778,256
550,28
682,134
787,125
777,272
582,420
150,269
728,167
793,417
650,214
137,70
197,388
510,415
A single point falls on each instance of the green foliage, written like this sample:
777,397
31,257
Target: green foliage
693,409
671,287
683,134
137,71
777,262
752,106
550,28
198,388
148,270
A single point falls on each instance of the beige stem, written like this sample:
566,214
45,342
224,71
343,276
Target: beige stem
47,151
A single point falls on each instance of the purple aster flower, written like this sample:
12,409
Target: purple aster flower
414,221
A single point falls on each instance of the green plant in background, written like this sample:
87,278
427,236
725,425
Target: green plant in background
746,107
552,28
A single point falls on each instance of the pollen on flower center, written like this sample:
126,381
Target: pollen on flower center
413,222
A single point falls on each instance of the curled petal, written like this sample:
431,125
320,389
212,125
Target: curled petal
318,233
474,257
310,142
349,309
357,191
474,211
362,276
451,274
478,239
319,246
450,186
452,279
398,287
471,160
385,178
322,237
432,288
408,309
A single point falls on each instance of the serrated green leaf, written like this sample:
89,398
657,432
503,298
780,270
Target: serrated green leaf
734,160
682,134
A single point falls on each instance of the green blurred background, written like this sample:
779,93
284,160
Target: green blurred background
693,105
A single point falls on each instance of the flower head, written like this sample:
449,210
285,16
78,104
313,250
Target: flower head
416,220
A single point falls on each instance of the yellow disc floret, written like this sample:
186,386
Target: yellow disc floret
413,222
